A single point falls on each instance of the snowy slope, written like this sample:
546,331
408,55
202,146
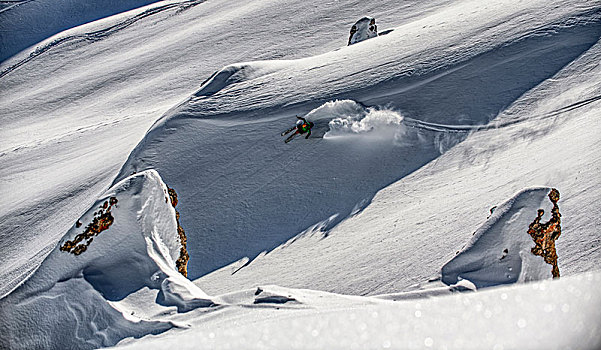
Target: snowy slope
244,192
124,286
418,223
465,106
73,111
24,23
85,300
543,315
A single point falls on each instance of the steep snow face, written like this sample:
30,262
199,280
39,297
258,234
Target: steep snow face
95,297
363,29
24,23
499,252
409,153
74,106
247,192
384,119
549,136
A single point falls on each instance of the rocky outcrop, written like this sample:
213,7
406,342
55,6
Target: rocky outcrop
499,251
363,29
117,287
182,261
545,234
103,219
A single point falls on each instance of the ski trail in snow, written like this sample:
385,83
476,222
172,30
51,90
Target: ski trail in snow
80,130
446,128
348,118
14,3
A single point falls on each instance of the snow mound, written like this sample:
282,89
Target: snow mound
550,314
363,29
264,296
237,73
499,252
227,75
113,288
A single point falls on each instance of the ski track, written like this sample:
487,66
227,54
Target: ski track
12,4
54,139
446,128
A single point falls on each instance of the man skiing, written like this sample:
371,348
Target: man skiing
302,126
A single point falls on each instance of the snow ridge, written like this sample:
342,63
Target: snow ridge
499,252
108,289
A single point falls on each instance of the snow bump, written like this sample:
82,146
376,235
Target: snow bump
117,287
500,250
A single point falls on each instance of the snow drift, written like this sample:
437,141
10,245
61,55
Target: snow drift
499,252
550,314
114,288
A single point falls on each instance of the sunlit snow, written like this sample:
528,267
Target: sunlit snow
401,222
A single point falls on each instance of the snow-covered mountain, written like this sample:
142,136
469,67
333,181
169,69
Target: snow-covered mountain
71,118
434,146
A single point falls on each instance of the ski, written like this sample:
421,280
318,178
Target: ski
288,131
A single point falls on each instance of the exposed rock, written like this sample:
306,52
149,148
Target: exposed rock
363,29
173,197
545,234
182,261
500,253
103,219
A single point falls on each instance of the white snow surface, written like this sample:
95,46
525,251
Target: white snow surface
499,252
541,315
95,299
73,108
24,23
352,214
353,238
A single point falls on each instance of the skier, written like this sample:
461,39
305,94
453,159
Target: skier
302,126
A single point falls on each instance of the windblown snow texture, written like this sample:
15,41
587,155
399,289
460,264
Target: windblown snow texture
417,134
24,23
499,253
94,299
